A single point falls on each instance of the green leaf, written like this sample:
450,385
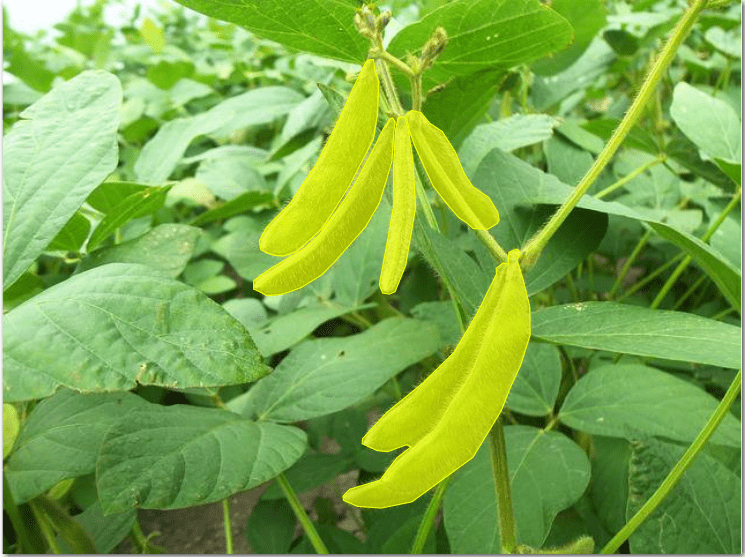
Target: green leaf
311,471
485,34
166,248
461,104
271,527
609,488
712,124
506,134
143,201
284,331
114,326
441,314
62,148
587,17
701,515
537,383
161,155
727,278
73,235
230,177
169,457
61,439
622,400
548,473
336,540
241,248
327,375
502,177
241,204
468,280
323,27
669,335
106,531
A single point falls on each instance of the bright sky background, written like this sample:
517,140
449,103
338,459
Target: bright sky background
30,16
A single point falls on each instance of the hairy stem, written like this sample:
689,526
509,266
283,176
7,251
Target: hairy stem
503,487
428,521
535,246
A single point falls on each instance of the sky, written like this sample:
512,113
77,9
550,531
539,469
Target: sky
30,16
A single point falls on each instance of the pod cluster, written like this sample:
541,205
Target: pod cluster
343,190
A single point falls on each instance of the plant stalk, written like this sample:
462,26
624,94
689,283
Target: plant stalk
228,526
687,259
10,507
535,246
302,516
626,179
428,520
503,487
679,469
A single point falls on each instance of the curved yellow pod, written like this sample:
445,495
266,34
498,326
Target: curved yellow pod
403,212
445,420
444,170
347,222
332,174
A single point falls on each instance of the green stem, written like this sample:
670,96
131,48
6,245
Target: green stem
626,179
503,487
687,259
690,291
139,537
228,526
302,516
629,262
535,246
428,520
424,203
677,472
650,277
389,89
416,92
381,54
22,537
46,529
492,245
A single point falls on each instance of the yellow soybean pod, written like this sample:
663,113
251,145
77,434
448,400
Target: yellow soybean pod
447,176
347,222
445,420
332,174
403,212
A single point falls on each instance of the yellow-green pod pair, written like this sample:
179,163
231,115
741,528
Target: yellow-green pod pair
345,224
445,420
330,177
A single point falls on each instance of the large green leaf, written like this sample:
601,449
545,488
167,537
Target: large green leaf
61,438
168,457
271,527
670,335
486,34
327,375
712,124
548,473
537,383
62,148
114,326
702,514
623,400
323,27
727,277
161,155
